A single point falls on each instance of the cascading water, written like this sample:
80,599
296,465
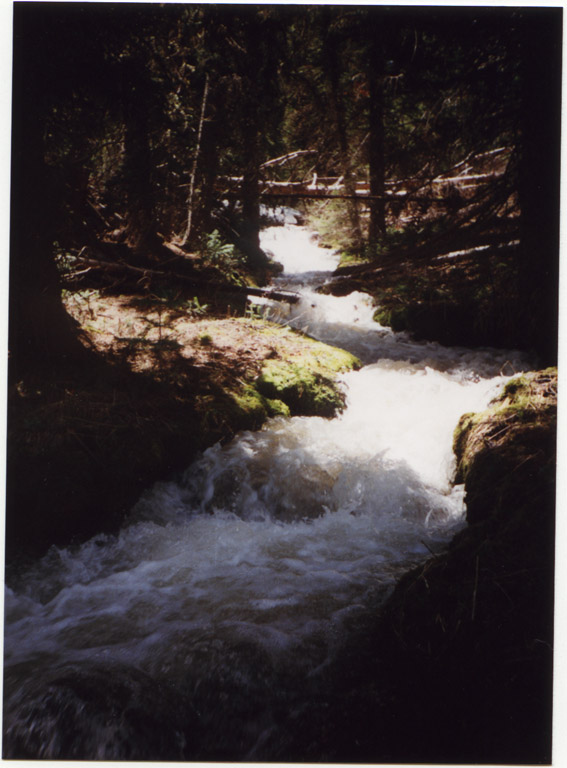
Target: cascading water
215,612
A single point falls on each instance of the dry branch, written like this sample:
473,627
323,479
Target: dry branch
290,156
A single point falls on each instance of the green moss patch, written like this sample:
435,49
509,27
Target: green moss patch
292,375
306,380
226,412
304,392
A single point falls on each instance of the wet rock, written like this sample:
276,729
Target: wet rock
281,215
98,713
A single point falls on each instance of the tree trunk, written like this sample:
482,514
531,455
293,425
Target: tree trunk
191,199
251,193
332,65
210,166
540,179
138,171
251,137
40,330
377,225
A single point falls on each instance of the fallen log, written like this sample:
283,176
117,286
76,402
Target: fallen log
145,274
319,194
290,297
488,248
302,191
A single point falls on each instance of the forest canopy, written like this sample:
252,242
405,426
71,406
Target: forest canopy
141,131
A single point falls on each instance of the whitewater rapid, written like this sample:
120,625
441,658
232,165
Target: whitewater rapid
233,587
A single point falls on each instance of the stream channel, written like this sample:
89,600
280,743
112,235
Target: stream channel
203,628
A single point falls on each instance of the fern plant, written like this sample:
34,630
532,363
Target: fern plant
222,256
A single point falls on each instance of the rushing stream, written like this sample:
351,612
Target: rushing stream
214,613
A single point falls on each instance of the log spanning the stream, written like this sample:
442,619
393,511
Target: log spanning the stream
432,191
471,173
230,187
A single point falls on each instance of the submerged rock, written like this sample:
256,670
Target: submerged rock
281,215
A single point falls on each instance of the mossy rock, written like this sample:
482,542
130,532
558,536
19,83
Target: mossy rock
305,382
277,407
529,398
396,318
305,392
255,406
508,450
250,407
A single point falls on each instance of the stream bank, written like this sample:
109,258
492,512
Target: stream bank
469,297
165,384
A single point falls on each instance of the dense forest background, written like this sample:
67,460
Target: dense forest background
146,136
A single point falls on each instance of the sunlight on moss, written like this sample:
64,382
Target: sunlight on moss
526,402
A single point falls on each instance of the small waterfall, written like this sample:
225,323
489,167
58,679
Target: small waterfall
215,611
